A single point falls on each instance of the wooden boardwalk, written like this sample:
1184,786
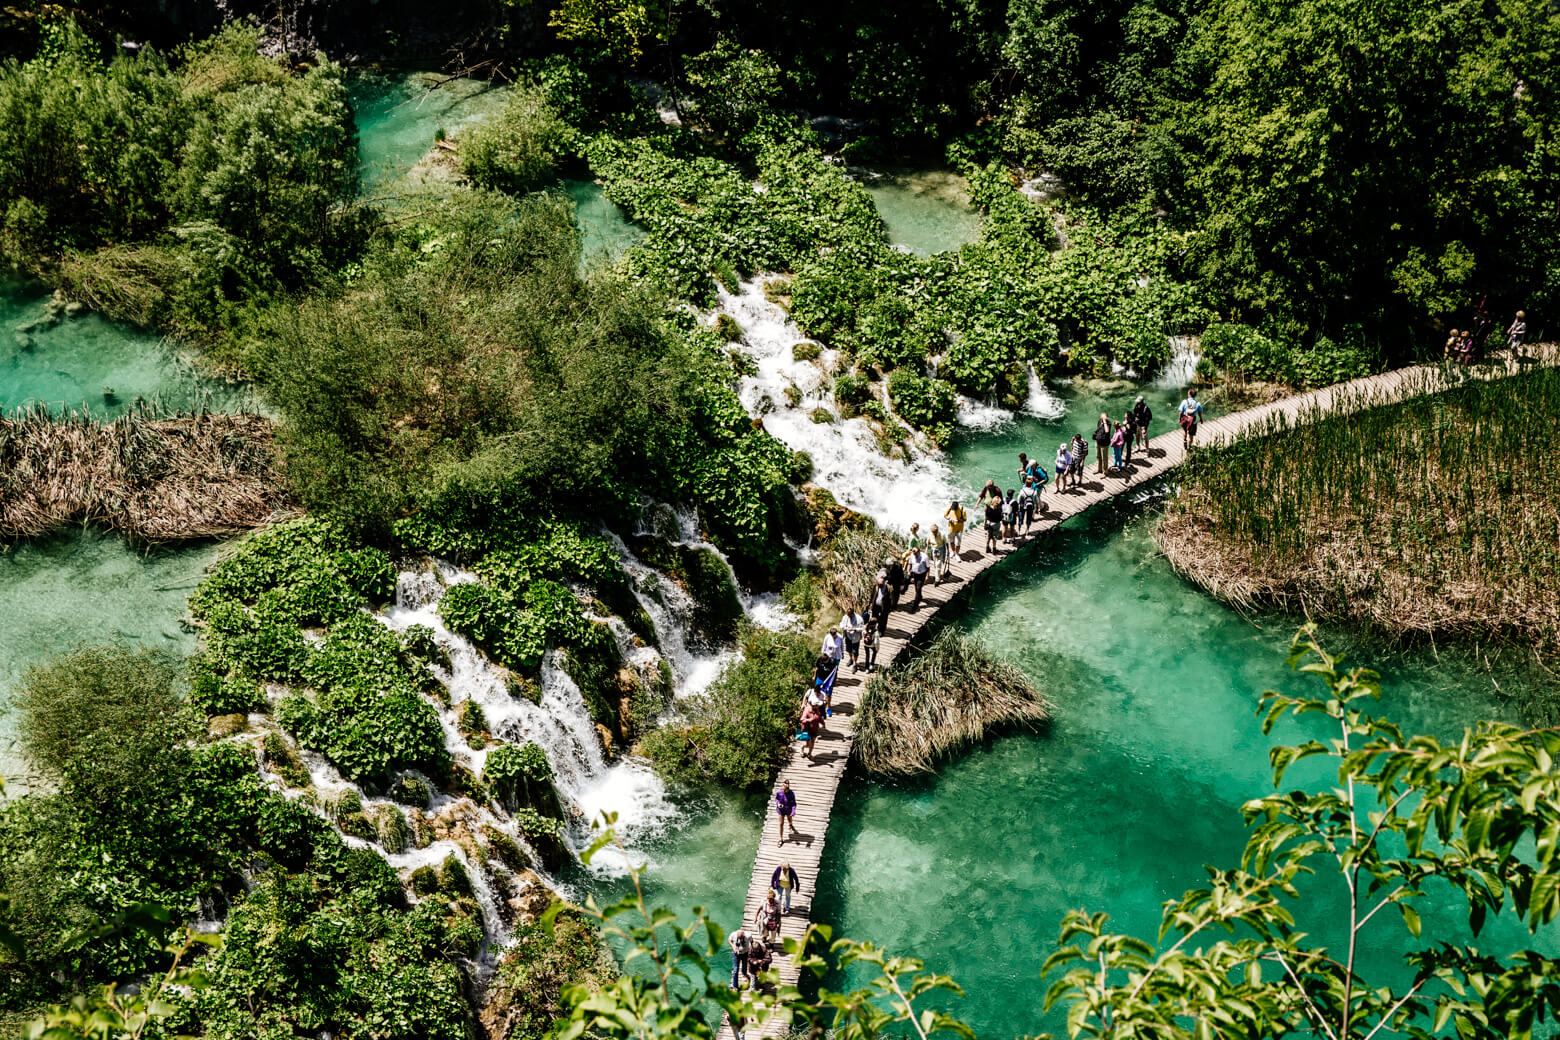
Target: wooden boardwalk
815,782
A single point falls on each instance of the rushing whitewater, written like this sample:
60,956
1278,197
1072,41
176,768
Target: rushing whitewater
845,456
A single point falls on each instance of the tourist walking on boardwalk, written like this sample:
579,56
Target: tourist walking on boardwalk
882,603
1063,467
1126,425
812,718
993,520
915,541
939,556
851,625
760,959
920,567
1142,414
1118,443
739,943
1080,457
767,917
1102,434
826,671
1516,335
834,647
1191,413
1036,473
895,572
956,517
1027,496
869,644
785,882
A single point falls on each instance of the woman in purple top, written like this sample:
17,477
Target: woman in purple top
785,806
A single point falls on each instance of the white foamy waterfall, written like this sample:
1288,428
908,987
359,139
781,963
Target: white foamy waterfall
845,455
1181,370
981,415
1040,401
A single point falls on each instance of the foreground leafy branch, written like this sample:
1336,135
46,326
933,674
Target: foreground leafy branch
1246,959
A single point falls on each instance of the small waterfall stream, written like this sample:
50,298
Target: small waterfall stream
845,454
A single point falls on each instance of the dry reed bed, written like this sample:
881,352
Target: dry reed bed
1437,514
152,479
921,710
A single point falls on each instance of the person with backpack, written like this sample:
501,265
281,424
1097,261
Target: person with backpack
1080,458
882,603
785,808
760,959
1102,435
896,577
812,719
869,645
1142,414
993,520
1027,496
1191,413
939,556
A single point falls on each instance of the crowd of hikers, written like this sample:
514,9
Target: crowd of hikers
1467,345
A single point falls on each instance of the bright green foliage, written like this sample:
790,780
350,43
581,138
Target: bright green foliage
737,731
206,182
737,90
1248,353
517,638
366,713
1411,818
540,965
703,214
519,149
520,775
545,835
925,403
297,957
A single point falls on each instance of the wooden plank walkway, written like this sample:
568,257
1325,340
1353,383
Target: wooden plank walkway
816,782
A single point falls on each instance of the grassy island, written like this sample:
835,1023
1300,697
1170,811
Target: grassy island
1433,517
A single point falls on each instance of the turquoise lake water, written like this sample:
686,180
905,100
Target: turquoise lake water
1116,806
926,211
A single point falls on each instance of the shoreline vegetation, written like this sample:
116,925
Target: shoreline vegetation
951,695
1432,517
153,480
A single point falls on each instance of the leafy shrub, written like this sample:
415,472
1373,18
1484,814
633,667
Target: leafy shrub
821,415
545,835
539,966
801,470
851,391
424,881
283,761
392,832
422,645
727,328
927,404
453,879
737,732
505,849
805,351
408,790
519,775
473,724
357,825
518,149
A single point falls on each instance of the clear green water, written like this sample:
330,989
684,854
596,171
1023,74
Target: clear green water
399,116
605,230
67,364
1117,806
87,587
927,211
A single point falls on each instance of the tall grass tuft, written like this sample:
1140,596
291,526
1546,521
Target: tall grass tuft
917,712
153,479
1438,514
851,561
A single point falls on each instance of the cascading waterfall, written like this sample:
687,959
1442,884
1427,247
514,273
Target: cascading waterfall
1181,369
1040,401
981,415
846,459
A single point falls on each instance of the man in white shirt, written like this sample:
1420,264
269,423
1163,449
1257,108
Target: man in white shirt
834,646
852,625
920,567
